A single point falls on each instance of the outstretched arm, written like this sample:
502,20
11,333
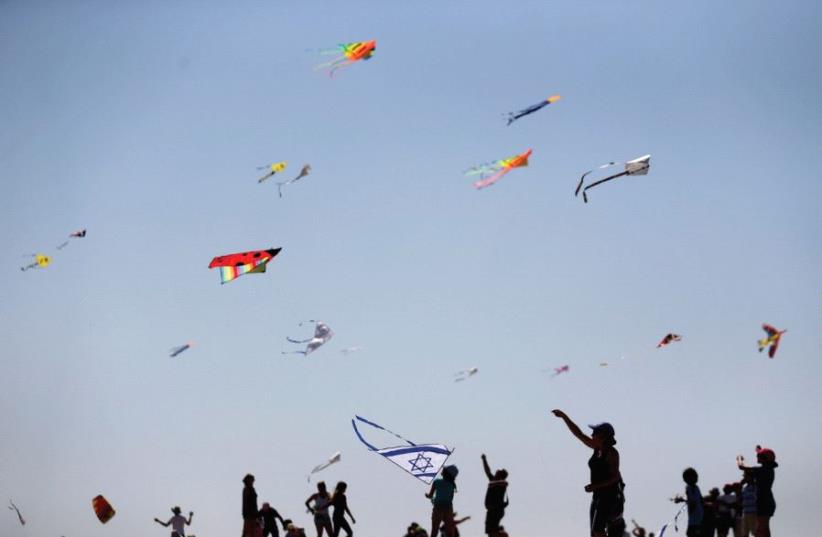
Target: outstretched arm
575,430
190,515
160,522
487,468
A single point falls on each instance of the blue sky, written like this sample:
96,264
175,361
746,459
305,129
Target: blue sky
144,123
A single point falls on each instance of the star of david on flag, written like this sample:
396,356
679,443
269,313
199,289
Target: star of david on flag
423,461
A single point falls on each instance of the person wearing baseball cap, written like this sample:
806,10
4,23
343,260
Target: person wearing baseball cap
763,476
606,481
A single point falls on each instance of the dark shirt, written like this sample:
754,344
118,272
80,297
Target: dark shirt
250,510
600,464
270,517
495,495
340,502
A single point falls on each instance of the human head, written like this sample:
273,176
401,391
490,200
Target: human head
690,476
603,434
765,456
450,472
728,488
266,506
341,487
321,487
713,493
248,480
501,474
176,510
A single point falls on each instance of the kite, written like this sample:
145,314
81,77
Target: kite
275,168
79,234
638,166
235,265
462,375
668,339
14,508
182,348
322,334
335,458
513,116
675,521
348,53
772,340
102,508
349,350
423,461
305,171
560,370
492,172
40,261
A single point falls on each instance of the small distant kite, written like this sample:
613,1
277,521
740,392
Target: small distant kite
668,339
322,334
560,370
273,169
603,364
492,172
102,509
333,459
347,54
40,261
463,375
350,350
235,265
423,461
772,340
638,166
79,234
513,116
303,172
182,348
14,508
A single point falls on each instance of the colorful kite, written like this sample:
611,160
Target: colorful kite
513,116
273,169
102,509
560,370
235,265
492,172
177,350
423,461
322,334
668,339
79,234
14,508
305,171
772,340
638,166
348,53
40,261
463,375
333,459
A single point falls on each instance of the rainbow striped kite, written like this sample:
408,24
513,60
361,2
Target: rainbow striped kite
348,53
233,266
493,172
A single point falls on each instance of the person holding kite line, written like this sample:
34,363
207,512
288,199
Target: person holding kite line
442,497
322,500
495,498
606,481
178,522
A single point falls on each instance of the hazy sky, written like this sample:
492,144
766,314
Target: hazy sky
144,122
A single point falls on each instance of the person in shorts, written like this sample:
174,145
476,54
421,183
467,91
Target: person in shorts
178,522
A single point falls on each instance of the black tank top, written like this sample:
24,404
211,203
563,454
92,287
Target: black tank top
600,471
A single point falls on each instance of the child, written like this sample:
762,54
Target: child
694,498
495,498
442,497
177,522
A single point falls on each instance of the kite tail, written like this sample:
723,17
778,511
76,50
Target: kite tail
298,341
295,352
331,63
280,188
488,181
63,245
33,265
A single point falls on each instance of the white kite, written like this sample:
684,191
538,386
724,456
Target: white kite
335,458
638,166
423,461
322,334
463,375
350,350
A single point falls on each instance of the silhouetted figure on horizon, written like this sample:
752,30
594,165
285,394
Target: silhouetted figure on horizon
606,484
726,511
696,511
763,477
322,500
442,497
269,516
457,522
710,504
748,527
340,503
292,530
178,522
495,497
251,514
